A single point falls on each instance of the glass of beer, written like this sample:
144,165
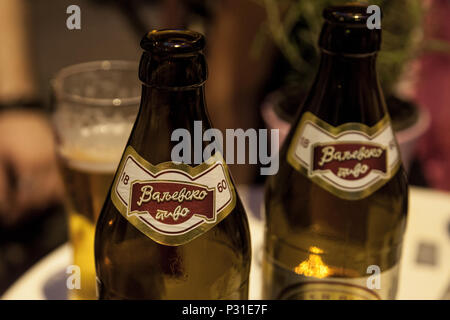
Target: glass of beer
94,107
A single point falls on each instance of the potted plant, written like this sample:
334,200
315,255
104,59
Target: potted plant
294,27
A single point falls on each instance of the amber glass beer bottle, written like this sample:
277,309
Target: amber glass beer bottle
171,230
336,211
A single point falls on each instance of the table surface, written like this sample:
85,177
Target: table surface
424,269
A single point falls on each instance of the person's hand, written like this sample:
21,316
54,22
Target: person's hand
29,175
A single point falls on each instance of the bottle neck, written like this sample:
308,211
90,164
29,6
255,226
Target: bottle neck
347,89
162,111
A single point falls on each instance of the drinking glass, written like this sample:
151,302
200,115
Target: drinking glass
94,108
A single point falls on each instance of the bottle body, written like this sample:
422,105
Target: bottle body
132,266
336,211
171,230
320,247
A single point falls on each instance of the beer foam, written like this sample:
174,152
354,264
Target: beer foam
96,148
90,163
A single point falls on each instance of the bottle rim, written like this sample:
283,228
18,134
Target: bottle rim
352,15
173,41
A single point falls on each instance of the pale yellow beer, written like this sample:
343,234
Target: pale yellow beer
86,188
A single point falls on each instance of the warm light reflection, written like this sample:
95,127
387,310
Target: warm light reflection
314,265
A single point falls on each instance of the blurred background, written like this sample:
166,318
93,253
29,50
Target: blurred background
262,57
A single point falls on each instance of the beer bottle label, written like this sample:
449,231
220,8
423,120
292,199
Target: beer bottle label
351,161
172,203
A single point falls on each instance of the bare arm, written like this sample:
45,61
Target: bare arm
16,73
29,178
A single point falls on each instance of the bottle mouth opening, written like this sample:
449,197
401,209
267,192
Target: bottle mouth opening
173,41
352,14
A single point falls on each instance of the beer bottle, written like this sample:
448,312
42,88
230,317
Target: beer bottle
171,230
336,211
